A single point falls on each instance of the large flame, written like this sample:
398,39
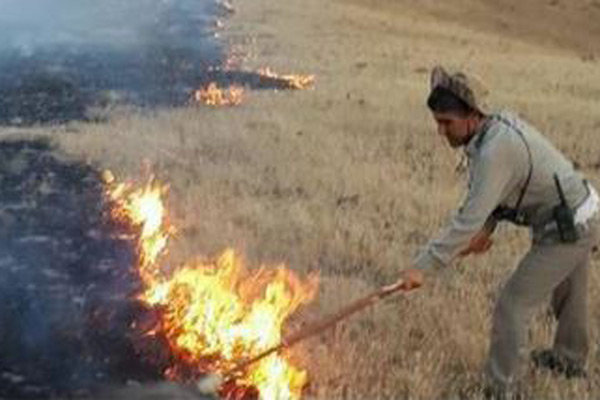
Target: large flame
214,313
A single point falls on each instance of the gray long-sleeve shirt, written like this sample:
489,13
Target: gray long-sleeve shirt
499,165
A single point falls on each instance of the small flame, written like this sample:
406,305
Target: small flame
212,95
142,208
214,313
292,81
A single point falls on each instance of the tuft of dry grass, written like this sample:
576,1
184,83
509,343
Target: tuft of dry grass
350,179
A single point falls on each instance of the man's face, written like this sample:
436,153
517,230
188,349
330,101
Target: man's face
457,130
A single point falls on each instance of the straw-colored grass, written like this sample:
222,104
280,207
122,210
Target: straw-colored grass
349,178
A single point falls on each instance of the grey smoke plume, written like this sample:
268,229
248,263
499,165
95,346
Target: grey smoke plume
28,25
58,57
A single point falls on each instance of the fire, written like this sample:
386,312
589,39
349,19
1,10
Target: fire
212,95
214,313
292,81
144,209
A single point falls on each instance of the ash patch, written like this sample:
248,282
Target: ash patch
65,281
247,79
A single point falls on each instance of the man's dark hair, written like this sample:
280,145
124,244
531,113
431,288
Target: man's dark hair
442,100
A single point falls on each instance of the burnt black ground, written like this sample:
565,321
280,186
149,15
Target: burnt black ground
61,60
66,283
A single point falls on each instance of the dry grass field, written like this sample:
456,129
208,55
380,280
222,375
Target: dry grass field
349,178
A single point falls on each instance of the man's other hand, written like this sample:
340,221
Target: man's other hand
480,243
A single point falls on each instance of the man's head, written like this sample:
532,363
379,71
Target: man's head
454,105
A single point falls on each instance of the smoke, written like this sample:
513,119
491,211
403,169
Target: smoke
31,25
59,57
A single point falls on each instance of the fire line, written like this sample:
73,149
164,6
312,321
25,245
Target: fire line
214,312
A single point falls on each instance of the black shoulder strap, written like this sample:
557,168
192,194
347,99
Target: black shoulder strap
530,173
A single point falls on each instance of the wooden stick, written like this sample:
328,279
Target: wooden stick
321,325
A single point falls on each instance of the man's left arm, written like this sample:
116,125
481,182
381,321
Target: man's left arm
482,240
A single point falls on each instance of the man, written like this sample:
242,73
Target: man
515,174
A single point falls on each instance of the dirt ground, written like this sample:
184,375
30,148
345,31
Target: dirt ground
349,178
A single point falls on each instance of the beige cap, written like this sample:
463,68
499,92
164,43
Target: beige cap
467,88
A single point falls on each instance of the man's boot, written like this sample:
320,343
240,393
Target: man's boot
550,360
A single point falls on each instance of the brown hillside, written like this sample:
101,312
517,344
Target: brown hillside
573,25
